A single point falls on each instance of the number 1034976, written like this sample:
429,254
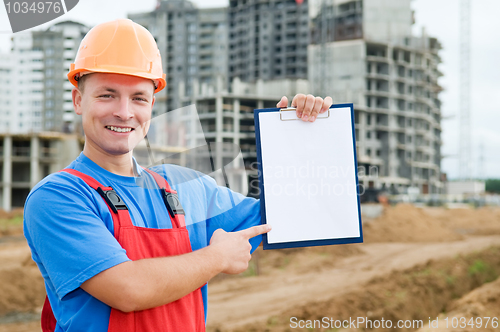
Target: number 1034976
35,7
474,323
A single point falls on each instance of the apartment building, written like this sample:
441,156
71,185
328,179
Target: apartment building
368,56
21,82
59,45
5,91
268,39
193,44
35,94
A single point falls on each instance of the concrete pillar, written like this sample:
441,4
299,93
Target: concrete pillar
244,182
219,129
7,173
237,118
35,165
361,138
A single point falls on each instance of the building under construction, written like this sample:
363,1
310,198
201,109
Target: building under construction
365,53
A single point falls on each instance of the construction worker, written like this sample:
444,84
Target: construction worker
116,255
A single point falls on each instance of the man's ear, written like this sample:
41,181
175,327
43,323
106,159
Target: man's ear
77,100
153,103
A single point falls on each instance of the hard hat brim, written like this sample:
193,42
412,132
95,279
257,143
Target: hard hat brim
160,82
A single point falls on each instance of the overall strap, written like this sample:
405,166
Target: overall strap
171,200
121,217
48,320
117,208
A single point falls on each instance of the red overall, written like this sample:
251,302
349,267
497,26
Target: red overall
185,314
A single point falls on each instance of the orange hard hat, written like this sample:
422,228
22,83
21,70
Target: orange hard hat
119,47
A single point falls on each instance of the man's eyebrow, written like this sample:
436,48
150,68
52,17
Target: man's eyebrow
141,93
106,89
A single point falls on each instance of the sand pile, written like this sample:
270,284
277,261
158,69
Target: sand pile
8,215
478,304
483,221
6,227
407,223
21,284
416,293
21,289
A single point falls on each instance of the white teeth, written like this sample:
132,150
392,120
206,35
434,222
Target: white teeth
119,130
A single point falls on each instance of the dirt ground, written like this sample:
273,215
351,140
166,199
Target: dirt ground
415,263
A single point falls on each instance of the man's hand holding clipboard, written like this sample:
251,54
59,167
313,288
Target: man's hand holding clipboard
307,107
308,179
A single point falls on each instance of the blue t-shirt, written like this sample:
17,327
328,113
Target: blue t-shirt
70,230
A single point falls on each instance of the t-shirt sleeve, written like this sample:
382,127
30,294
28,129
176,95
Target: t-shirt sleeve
230,211
69,235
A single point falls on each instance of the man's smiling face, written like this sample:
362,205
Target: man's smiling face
116,112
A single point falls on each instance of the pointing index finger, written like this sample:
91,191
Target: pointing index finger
254,231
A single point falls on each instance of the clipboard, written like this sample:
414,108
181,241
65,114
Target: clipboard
308,179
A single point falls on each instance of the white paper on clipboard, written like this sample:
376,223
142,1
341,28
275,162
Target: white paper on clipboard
309,175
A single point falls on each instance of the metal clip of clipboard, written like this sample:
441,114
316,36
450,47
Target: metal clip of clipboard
289,109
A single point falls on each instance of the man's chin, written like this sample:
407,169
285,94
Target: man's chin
120,152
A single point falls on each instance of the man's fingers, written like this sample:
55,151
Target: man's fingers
318,104
283,102
298,102
326,104
254,231
308,107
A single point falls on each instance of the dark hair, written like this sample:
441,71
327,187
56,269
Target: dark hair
81,82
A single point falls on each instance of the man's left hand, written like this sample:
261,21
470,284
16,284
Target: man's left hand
308,107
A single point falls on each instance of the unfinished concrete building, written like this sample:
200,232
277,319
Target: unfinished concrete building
364,52
227,124
25,159
193,45
268,39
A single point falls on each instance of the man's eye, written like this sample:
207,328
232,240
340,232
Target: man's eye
140,99
105,96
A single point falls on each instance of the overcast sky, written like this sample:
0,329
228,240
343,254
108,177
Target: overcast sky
441,19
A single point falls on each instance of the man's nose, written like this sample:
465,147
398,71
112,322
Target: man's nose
123,110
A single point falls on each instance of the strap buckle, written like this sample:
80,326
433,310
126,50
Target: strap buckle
172,203
112,199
